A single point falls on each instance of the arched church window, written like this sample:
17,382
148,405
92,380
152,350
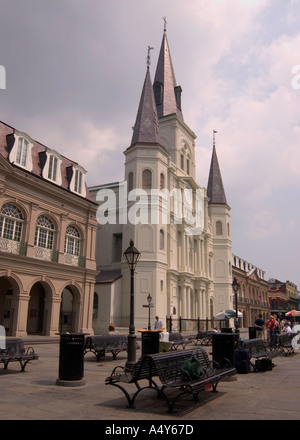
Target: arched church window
130,181
147,179
161,240
219,228
162,180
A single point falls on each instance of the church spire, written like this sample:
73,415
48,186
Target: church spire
215,188
146,128
167,93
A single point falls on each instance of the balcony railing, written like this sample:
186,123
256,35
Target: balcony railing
12,246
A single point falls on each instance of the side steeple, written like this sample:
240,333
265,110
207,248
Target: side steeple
167,93
215,188
146,129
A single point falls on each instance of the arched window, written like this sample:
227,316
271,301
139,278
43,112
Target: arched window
162,181
130,181
219,228
72,241
161,240
147,179
44,233
11,222
95,305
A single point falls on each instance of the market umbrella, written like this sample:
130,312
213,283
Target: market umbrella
226,314
293,313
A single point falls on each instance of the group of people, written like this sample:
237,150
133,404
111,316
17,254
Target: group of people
273,326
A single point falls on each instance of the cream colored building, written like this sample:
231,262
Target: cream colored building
253,291
184,242
47,239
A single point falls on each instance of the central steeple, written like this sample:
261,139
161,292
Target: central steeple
167,93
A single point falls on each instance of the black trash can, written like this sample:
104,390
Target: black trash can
223,345
226,330
150,342
252,333
71,359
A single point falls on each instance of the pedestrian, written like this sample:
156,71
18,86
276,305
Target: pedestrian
286,328
112,329
260,325
271,327
277,327
158,323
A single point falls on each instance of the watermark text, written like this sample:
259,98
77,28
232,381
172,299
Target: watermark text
2,78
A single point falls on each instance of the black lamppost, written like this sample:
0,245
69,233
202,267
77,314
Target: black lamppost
132,256
235,288
149,298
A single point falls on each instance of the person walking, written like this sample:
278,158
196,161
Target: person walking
158,323
260,325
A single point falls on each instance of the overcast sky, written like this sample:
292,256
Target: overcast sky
74,75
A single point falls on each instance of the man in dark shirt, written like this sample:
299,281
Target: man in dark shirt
259,324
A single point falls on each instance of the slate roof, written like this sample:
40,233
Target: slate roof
165,75
38,149
215,188
108,276
146,128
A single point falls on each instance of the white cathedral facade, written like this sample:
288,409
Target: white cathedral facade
181,229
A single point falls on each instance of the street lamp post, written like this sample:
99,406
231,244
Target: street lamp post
149,298
132,256
235,288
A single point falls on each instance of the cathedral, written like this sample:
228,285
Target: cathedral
182,230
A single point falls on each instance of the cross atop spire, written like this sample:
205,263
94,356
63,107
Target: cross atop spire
165,23
214,138
148,56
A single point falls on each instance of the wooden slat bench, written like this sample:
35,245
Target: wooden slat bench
99,345
16,352
165,368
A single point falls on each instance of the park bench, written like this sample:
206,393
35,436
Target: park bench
273,347
202,338
177,340
257,350
99,345
285,343
167,368
16,352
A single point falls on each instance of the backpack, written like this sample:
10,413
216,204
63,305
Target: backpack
263,364
191,369
242,361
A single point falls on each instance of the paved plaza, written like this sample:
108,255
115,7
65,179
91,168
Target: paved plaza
34,394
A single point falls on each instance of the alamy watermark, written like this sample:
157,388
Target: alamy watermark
2,78
296,78
154,206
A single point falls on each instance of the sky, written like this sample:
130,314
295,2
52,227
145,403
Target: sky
74,71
